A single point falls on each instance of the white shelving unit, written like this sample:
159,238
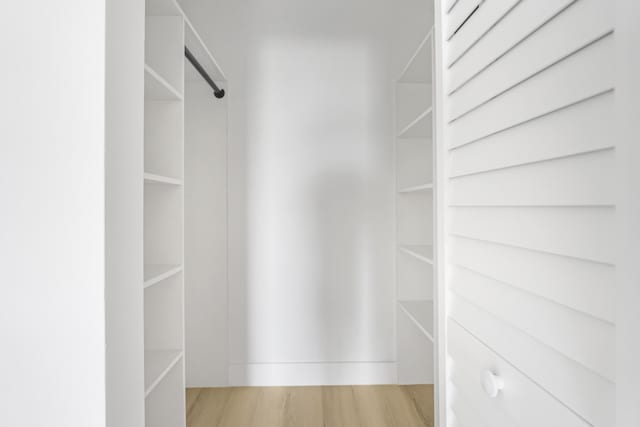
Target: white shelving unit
163,216
158,363
421,314
150,178
156,87
157,273
420,127
167,31
415,213
421,252
416,188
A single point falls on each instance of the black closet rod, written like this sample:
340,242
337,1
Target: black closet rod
219,93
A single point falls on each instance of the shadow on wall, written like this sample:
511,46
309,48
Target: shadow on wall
338,294
319,168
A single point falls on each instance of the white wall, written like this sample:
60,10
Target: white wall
52,318
123,169
205,236
409,20
310,188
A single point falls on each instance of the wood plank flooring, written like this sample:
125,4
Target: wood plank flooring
340,406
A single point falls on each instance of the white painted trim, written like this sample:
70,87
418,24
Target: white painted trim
124,204
304,374
440,211
627,93
396,291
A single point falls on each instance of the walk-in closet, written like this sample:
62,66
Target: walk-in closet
275,254
337,213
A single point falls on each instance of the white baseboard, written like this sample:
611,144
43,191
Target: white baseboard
307,374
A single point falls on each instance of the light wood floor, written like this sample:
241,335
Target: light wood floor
348,406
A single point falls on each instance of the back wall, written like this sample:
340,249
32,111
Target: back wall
311,190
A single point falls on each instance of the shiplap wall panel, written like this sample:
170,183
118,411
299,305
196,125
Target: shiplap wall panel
522,403
531,167
575,335
462,410
519,23
579,76
484,19
458,15
590,395
490,411
581,285
571,231
450,5
587,179
579,128
576,27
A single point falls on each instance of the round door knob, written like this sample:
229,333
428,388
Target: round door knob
492,383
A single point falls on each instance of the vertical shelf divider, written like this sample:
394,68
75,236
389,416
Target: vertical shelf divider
415,216
164,215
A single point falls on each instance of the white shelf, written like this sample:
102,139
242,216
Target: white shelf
421,314
156,273
157,87
150,178
421,252
416,188
157,364
419,68
420,127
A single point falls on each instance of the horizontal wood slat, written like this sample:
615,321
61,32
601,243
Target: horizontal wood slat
450,5
585,233
486,18
581,285
520,23
459,14
584,180
578,77
580,128
577,336
589,21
